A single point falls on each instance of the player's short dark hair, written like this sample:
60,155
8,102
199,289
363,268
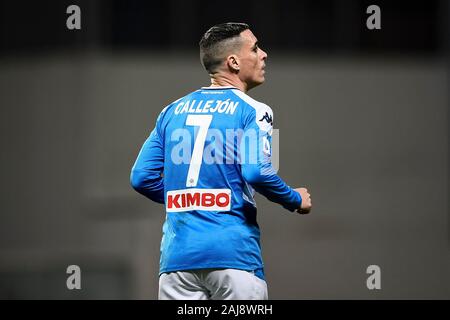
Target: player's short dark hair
214,43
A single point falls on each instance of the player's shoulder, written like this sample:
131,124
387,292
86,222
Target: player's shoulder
174,103
257,111
253,103
170,105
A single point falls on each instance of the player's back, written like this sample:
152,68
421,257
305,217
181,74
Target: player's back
211,214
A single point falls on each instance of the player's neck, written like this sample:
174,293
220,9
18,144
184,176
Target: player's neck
219,80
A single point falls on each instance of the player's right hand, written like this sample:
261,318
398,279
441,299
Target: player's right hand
306,205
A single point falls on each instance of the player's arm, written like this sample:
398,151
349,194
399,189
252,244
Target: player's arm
260,173
146,174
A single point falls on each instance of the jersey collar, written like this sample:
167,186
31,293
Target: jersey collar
221,88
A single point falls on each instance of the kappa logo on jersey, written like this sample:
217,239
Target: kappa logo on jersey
198,199
267,117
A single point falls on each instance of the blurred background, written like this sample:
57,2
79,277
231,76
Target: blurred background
363,122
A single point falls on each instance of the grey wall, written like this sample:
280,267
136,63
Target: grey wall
368,137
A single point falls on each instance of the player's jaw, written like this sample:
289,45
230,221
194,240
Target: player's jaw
260,74
262,66
256,77
263,71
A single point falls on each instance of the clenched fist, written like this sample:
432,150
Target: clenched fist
306,205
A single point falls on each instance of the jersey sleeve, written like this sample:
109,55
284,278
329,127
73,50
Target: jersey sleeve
256,165
146,172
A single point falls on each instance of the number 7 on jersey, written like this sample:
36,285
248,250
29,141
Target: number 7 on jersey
203,122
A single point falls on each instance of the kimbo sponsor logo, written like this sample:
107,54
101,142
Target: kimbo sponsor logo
198,199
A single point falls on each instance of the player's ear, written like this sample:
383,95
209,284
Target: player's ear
233,63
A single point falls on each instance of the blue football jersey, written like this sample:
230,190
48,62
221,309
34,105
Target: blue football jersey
206,156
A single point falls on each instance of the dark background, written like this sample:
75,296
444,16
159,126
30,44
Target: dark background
363,122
